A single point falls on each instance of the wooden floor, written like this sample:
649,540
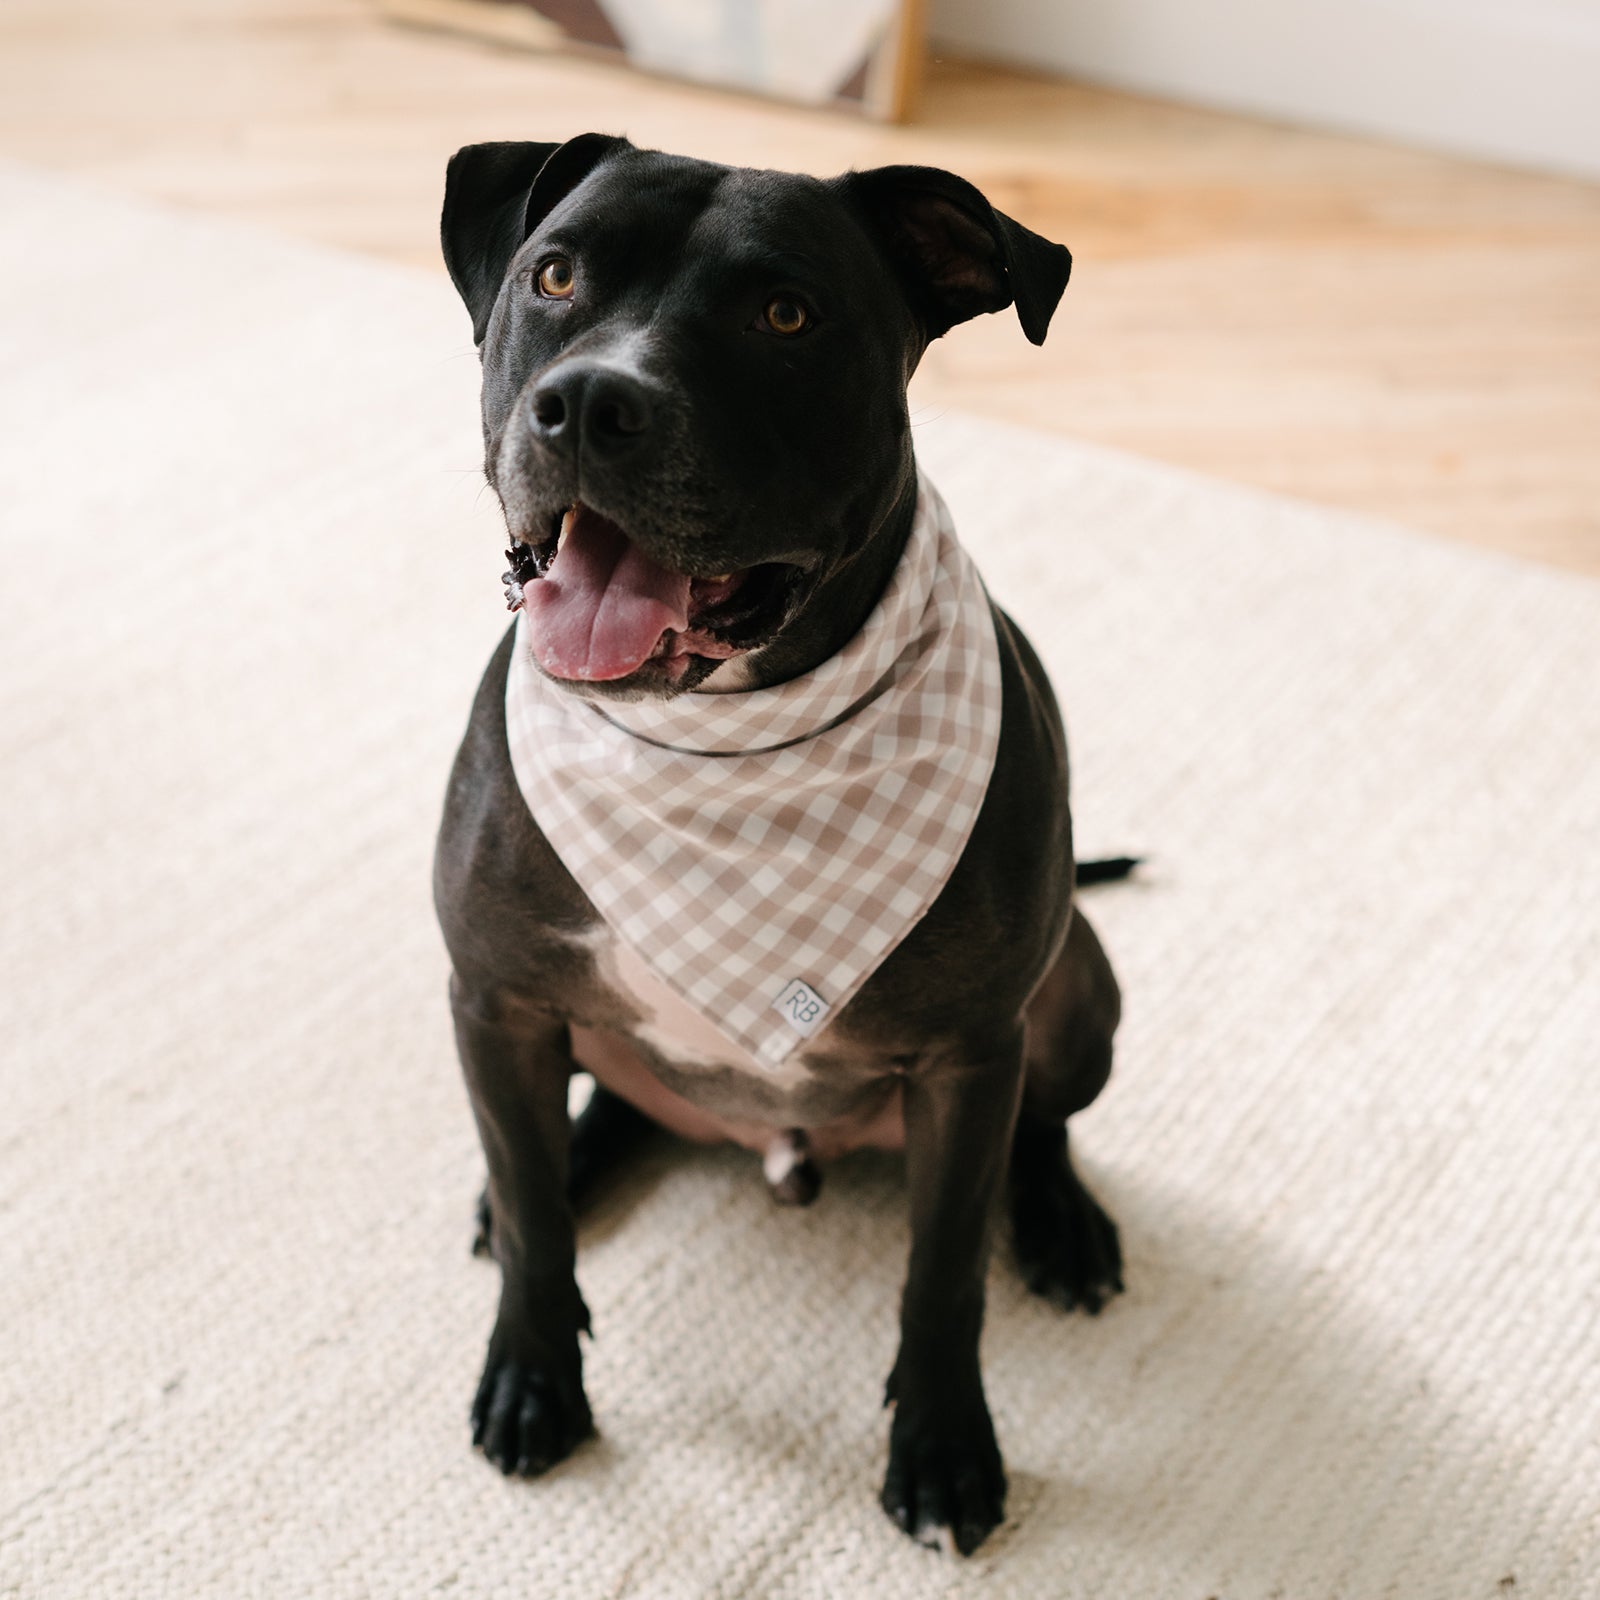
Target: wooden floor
1408,335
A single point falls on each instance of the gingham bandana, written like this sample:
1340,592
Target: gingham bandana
763,851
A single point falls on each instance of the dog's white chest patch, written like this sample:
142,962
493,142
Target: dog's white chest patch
672,1027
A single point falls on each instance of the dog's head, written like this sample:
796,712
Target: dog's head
694,384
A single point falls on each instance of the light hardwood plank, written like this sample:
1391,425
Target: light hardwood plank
1400,333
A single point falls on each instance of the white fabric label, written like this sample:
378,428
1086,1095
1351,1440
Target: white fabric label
802,1008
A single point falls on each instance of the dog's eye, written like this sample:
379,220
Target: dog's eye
785,316
556,279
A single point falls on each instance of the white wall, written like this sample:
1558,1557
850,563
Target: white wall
1510,80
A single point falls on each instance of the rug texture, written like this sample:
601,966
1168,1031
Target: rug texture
1353,1138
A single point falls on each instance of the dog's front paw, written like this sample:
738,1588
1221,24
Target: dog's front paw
1067,1246
945,1482
528,1415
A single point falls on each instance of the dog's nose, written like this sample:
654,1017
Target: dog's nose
583,405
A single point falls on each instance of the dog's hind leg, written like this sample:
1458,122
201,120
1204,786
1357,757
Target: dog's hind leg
607,1132
604,1135
1066,1245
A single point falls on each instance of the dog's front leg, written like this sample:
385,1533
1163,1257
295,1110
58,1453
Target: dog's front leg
944,1465
530,1410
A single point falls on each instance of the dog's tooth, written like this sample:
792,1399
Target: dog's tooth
567,517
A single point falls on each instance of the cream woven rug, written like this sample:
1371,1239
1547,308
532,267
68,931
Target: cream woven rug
1353,1139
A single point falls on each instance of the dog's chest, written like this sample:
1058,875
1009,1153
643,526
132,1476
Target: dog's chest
674,1033
655,1051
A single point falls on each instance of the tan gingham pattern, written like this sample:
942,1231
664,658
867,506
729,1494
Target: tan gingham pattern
741,842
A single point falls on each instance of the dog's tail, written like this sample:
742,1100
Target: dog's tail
1109,869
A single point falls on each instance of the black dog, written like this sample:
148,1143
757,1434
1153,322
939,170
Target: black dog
709,365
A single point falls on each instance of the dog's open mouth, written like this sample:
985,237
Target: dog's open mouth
599,607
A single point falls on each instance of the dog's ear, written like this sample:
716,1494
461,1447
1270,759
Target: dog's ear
494,196
956,254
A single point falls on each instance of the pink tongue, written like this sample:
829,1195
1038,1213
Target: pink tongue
603,604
